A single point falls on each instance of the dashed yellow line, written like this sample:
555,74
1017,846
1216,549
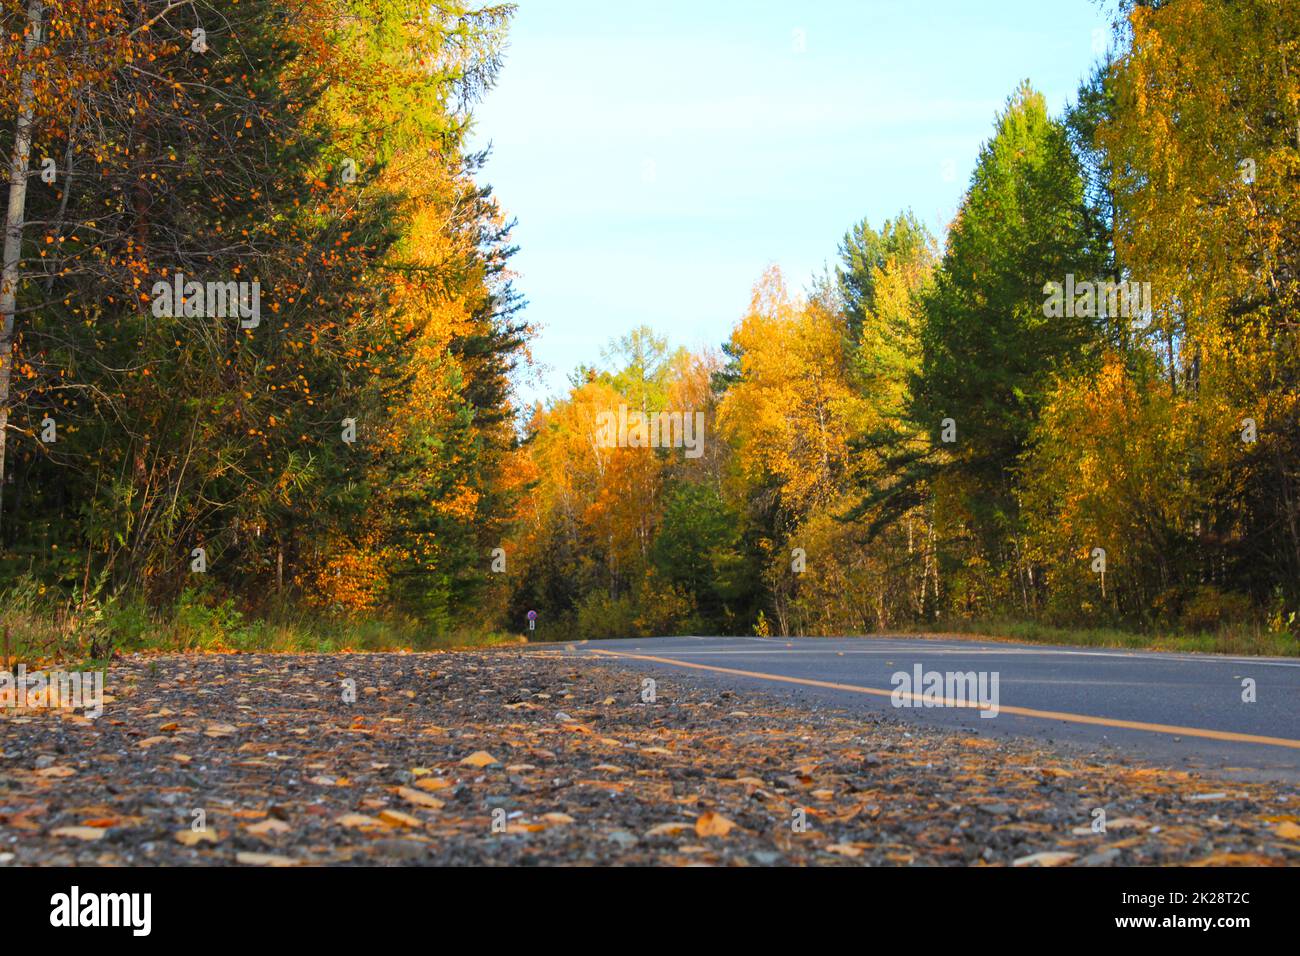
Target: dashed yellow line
1019,711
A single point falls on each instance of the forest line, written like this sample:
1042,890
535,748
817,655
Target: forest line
260,327
1080,411
261,341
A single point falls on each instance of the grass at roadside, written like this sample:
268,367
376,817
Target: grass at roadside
34,632
1238,639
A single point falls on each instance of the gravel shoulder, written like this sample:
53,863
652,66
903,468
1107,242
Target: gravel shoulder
510,757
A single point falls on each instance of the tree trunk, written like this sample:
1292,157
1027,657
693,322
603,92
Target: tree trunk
13,239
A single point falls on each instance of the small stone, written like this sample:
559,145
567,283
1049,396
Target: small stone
1100,858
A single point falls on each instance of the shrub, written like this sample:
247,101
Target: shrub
1209,609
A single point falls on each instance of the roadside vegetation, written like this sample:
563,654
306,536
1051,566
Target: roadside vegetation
324,467
32,631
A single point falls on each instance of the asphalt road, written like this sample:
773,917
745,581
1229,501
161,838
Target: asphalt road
1184,711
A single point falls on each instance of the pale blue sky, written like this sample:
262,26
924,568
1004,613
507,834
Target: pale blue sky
659,156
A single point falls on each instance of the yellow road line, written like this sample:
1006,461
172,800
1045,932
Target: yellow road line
1020,711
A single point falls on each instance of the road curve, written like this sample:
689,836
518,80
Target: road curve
1184,711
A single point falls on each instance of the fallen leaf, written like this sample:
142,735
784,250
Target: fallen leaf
521,827
79,833
195,837
357,820
396,818
419,798
668,829
709,823
263,859
1118,824
845,849
270,827
1045,859
1287,831
479,759
1236,859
